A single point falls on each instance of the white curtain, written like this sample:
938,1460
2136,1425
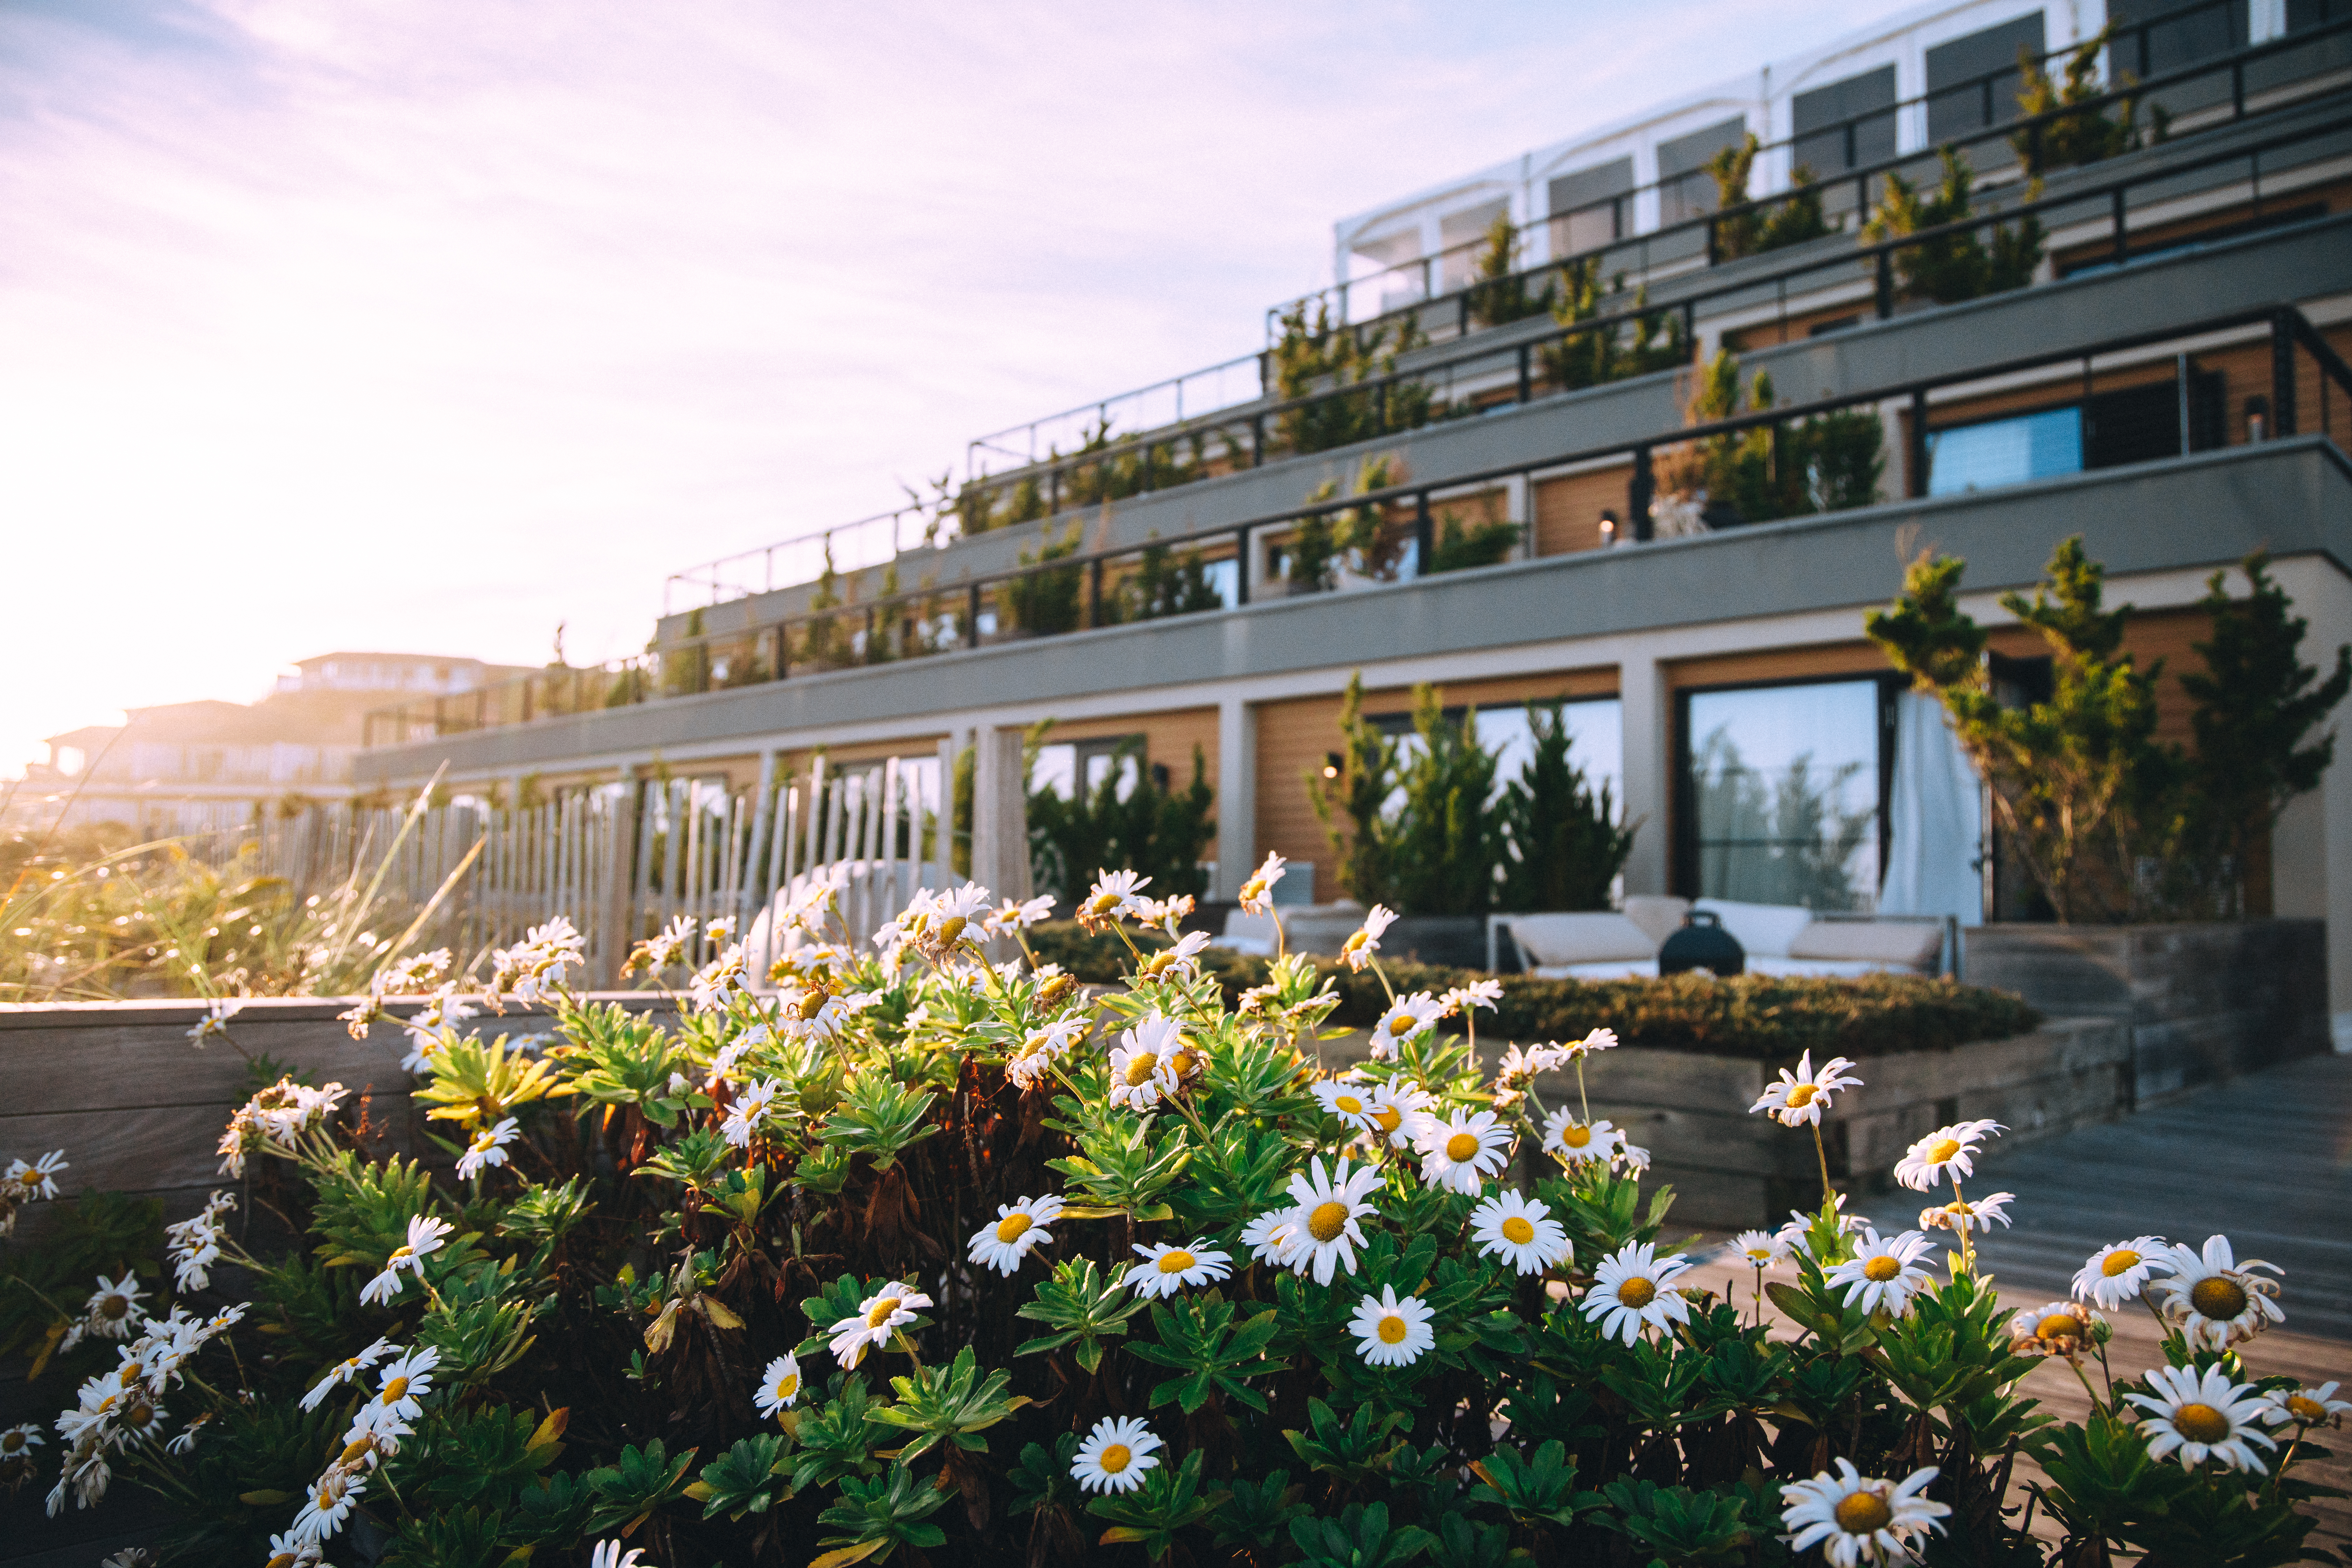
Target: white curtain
1936,819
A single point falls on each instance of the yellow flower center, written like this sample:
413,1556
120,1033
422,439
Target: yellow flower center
1389,1117
1183,1062
1404,1024
788,1386
1115,1459
1759,1255
2218,1298
2121,1260
283,1560
2059,1326
1637,1292
1349,1104
1802,1096
114,1307
2305,1409
1102,903
11,1441
399,1255
1881,1269
1462,1147
358,1445
1139,1068
1355,943
326,1498
951,929
396,1391
1327,1221
1175,1260
1392,1330
1859,1513
1942,1148
2201,1424
1009,1228
881,1311
1517,1231
1056,988
1575,1135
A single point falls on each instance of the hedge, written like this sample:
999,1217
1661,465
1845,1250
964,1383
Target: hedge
1759,1015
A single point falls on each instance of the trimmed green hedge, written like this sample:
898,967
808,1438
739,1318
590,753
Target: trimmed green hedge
1758,1015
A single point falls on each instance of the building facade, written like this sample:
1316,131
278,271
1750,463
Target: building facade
2132,329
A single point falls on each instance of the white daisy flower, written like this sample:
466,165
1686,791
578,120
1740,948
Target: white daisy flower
1460,1152
715,981
1632,1288
1257,893
1487,993
487,1149
749,1109
1855,1520
1945,1150
1406,1016
1521,1063
425,1236
1800,1096
1357,949
1115,1456
1020,916
957,919
1164,1269
2118,1272
405,1382
1139,1068
113,1309
1758,1248
1400,1112
1269,1235
780,1385
342,1371
2202,1417
329,1504
1968,1213
287,1551
1597,1040
2215,1299
1519,1231
19,1440
878,1317
1042,1049
2059,1328
1003,1242
1114,894
1328,1206
609,1554
31,1181
1392,1330
1183,959
1883,1275
1578,1142
216,1019
2305,1406
1352,1103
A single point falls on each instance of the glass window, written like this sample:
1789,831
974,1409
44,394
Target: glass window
2004,452
1595,731
1783,795
1686,190
1956,103
1587,206
1824,137
1062,766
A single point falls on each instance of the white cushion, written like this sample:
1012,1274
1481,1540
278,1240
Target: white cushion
1824,968
1625,969
1656,914
1761,930
1556,941
1903,944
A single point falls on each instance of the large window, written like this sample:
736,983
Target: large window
1783,793
1686,190
1958,104
1588,207
1596,739
1832,133
1066,766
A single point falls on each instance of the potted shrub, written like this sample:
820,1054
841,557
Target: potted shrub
2138,846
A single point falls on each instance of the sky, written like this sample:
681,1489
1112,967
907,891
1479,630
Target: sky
427,326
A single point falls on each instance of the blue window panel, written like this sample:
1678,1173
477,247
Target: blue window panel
2005,452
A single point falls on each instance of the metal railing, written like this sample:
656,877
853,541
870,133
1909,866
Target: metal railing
1081,590
1699,235
1142,450
1475,380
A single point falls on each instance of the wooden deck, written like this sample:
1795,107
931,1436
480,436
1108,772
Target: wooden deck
2266,1160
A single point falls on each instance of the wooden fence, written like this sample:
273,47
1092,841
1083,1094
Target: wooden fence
621,861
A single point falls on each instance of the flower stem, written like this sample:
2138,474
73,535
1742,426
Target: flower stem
1821,1155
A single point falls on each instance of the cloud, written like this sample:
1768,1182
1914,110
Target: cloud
425,325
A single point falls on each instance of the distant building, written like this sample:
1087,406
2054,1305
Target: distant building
188,766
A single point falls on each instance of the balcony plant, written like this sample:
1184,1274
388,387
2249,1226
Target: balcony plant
1045,603
1408,819
903,1262
1317,356
1795,218
1954,267
1622,338
2087,135
1498,292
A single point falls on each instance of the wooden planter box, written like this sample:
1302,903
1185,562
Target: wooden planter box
1731,1170
2200,1003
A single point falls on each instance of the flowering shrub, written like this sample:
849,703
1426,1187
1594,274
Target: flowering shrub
923,1257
